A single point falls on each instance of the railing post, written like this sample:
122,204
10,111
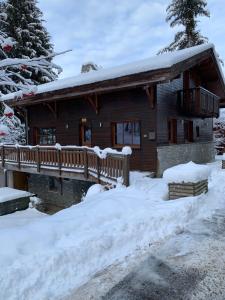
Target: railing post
98,168
18,157
85,163
3,156
59,161
38,160
126,170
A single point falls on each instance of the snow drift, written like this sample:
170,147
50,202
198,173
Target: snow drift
50,256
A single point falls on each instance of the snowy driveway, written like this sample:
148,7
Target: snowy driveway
189,266
50,257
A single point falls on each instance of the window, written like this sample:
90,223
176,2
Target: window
127,133
86,135
172,131
197,131
47,136
52,184
188,131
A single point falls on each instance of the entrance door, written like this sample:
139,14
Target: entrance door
86,134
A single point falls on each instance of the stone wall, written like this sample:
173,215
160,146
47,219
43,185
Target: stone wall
169,156
63,194
2,178
11,206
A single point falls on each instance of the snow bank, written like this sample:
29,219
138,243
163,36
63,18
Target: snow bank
7,194
189,172
94,190
51,256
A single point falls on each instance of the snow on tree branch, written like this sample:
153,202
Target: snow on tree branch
11,77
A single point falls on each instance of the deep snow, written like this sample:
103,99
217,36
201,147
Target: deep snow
49,257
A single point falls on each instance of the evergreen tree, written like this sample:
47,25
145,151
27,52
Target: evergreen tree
12,131
24,26
186,13
11,128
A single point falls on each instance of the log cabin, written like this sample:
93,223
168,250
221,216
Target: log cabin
162,107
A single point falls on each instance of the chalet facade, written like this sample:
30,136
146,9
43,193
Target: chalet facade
163,108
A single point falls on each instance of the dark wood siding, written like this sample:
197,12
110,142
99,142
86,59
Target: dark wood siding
114,107
167,109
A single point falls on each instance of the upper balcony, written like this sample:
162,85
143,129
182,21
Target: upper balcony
198,102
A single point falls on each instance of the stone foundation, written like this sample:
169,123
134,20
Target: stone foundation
169,156
57,194
223,164
180,190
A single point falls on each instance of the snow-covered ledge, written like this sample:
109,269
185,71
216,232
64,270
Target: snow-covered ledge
187,180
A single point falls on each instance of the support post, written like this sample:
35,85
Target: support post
126,170
85,164
38,160
59,161
3,156
98,168
18,157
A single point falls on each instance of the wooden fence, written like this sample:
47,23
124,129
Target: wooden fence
67,159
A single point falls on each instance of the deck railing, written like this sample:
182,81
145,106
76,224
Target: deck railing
68,159
198,102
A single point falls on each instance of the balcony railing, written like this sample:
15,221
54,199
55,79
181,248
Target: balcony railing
66,162
198,102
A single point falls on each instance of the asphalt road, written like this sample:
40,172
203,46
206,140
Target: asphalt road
189,266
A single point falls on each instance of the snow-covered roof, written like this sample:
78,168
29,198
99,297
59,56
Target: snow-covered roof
163,61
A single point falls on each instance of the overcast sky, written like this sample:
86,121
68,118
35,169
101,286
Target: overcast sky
114,32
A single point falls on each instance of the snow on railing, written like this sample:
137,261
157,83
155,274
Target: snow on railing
107,165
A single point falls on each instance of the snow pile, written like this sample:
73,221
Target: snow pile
103,153
94,190
7,194
51,256
186,173
20,219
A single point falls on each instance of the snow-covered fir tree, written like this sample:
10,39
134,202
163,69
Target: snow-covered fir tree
11,129
24,26
185,13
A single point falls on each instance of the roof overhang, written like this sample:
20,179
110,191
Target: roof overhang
129,81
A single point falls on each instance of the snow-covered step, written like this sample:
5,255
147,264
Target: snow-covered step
12,200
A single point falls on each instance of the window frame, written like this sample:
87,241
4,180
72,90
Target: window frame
190,131
53,136
172,131
113,129
82,134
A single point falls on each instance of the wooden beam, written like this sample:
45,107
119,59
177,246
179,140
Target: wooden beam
93,100
151,95
53,108
20,111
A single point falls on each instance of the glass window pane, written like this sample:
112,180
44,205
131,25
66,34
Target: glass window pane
87,134
137,133
47,136
119,134
128,133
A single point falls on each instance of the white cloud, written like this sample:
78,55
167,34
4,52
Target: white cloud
115,32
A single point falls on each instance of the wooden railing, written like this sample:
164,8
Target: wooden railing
198,102
65,160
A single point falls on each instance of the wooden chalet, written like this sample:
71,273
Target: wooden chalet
162,107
